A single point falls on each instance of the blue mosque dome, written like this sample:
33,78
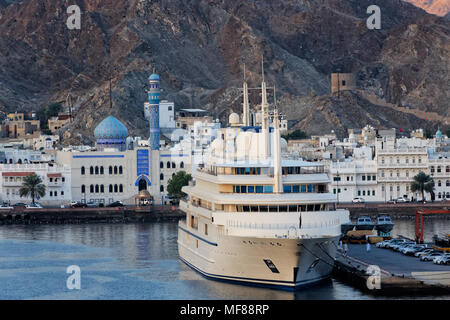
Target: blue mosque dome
111,128
154,77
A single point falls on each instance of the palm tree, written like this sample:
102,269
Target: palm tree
422,182
32,186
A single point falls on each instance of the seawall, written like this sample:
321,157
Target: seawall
404,210
90,215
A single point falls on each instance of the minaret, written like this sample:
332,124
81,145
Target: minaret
277,185
154,97
246,107
264,113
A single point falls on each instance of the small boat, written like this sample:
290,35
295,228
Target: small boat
442,241
364,223
346,227
384,224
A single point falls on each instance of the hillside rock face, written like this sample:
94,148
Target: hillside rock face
200,48
437,7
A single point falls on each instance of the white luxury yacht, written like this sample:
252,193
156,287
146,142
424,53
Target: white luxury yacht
257,217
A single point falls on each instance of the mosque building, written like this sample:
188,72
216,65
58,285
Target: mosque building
121,170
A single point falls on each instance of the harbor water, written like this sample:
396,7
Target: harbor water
134,261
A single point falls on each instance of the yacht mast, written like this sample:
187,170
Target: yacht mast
277,186
264,114
245,115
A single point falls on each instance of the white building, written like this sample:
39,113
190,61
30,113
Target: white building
56,178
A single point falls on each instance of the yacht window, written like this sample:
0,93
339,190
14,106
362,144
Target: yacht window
268,189
273,208
310,207
259,189
283,209
303,208
254,209
287,188
292,208
243,189
263,208
296,188
251,189
317,207
303,188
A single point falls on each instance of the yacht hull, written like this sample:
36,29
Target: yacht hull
279,263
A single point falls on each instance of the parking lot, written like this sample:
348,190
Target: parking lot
393,261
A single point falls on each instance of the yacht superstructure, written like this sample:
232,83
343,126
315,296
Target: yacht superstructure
257,216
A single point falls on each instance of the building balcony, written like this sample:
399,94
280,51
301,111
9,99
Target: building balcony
395,179
402,165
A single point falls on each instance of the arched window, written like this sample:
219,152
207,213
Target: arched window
91,188
173,174
110,188
182,165
83,170
161,188
115,188
102,188
161,165
110,170
120,170
115,169
439,183
102,170
174,165
168,164
120,188
96,170
447,183
161,177
97,189
91,170
447,169
83,188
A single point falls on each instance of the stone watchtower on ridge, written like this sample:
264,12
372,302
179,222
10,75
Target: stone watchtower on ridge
342,82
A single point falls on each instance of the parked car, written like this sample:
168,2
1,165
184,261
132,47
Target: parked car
20,205
440,259
423,252
445,260
358,200
115,204
411,250
383,244
76,204
92,204
394,242
35,205
5,206
400,246
430,256
401,200
392,201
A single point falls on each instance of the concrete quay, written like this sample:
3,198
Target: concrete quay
90,215
399,210
399,274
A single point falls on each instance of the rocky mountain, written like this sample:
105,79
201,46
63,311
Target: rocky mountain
200,48
437,7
